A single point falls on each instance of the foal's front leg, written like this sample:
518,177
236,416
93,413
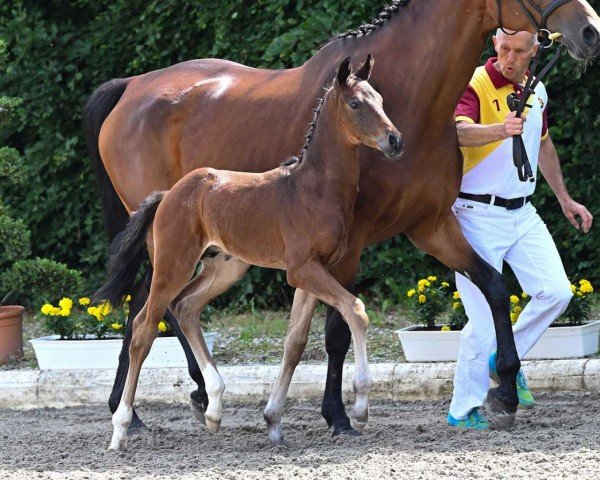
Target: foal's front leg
314,278
295,342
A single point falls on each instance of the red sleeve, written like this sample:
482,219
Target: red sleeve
468,106
545,122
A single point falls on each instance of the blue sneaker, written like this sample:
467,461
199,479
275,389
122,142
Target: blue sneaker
526,399
473,420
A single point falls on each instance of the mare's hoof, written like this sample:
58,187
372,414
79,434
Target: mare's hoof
358,425
499,414
278,443
118,445
345,432
137,427
212,425
198,411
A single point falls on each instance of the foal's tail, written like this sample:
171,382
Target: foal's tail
128,251
97,108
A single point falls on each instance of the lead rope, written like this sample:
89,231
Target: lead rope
518,103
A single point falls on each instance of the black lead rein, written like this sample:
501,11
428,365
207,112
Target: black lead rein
518,103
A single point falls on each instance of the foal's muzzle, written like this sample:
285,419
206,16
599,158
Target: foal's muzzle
394,145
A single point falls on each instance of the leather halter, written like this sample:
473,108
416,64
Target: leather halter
543,13
518,104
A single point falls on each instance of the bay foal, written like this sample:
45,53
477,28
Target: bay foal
294,217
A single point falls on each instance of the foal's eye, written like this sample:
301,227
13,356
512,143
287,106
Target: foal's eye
353,104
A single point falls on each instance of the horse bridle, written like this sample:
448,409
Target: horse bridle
516,103
542,26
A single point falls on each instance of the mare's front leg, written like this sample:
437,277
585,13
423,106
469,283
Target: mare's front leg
447,244
295,342
314,278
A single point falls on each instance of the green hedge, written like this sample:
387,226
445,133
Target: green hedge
62,50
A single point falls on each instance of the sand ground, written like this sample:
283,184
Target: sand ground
559,439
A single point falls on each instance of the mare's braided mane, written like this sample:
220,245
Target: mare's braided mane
387,13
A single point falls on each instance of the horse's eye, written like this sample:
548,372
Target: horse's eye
353,104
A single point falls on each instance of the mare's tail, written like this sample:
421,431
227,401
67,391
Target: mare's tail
98,107
127,252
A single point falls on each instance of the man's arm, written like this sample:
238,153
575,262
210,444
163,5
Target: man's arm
550,168
476,135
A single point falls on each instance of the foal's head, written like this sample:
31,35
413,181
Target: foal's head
361,114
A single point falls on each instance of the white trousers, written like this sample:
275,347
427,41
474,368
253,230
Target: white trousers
521,238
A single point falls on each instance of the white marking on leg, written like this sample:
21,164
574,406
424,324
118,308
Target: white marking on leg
120,420
214,390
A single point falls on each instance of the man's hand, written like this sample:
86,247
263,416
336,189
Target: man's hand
571,209
513,125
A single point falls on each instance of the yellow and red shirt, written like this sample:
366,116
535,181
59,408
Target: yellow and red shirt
489,169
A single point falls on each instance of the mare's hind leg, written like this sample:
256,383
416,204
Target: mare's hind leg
314,278
218,274
295,342
447,244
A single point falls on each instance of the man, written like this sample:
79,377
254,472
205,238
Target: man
498,219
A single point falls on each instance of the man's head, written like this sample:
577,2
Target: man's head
514,53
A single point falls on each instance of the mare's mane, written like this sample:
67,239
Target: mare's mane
387,13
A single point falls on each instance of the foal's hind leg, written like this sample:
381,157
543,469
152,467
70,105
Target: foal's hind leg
217,276
295,342
314,278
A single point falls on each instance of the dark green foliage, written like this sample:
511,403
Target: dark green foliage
60,51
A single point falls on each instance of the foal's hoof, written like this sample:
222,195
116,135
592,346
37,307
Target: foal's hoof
278,442
198,406
500,415
212,425
118,445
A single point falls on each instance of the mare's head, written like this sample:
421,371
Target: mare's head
360,110
576,20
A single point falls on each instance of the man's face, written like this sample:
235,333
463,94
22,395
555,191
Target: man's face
514,54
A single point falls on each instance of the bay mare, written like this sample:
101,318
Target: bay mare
147,131
294,218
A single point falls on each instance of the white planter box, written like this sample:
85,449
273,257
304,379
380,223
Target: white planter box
567,342
556,342
429,346
54,354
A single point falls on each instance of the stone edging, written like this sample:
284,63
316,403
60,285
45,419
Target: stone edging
395,381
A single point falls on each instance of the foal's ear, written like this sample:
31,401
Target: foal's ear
364,72
344,71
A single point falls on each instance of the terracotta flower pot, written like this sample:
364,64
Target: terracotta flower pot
11,332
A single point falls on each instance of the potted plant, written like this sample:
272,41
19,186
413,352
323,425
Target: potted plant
89,336
429,341
21,277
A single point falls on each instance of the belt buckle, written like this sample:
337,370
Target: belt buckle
515,203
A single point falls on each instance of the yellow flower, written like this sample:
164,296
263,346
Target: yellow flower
583,281
513,318
445,284
432,278
84,301
421,288
55,311
128,298
514,299
422,298
105,308
424,282
409,294
579,294
573,288
162,326
455,305
586,288
65,303
64,312
456,295
446,328
517,310
95,312
116,326
47,309
524,295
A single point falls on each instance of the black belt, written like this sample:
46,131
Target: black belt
508,203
